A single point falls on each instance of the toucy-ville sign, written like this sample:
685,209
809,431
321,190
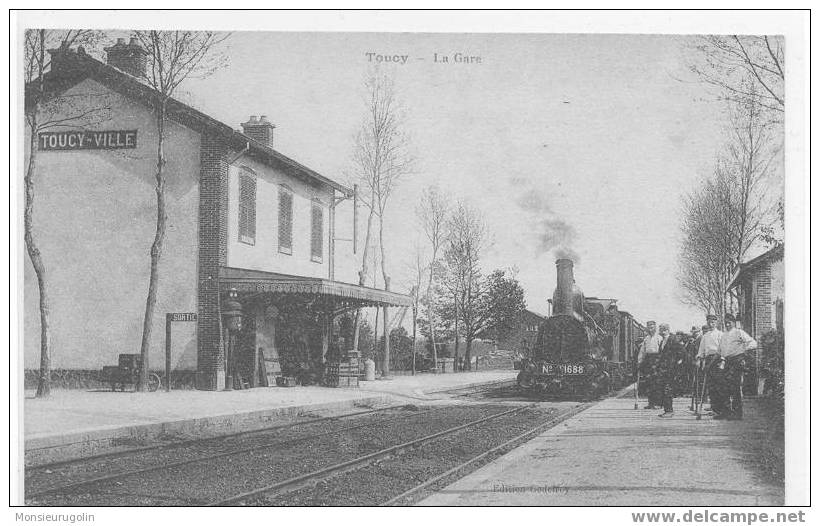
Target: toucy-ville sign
88,140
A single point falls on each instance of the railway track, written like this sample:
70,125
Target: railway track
276,490
200,479
473,390
426,487
376,460
407,478
220,447
50,466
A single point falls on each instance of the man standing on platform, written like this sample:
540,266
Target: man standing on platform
670,359
707,357
733,346
691,355
648,358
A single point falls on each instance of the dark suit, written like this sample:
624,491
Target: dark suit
670,360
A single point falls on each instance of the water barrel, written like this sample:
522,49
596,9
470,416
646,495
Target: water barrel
369,370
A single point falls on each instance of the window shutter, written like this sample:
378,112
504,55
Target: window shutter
247,208
285,221
316,237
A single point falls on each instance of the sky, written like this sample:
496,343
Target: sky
581,142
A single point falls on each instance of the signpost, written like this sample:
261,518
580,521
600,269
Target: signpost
171,317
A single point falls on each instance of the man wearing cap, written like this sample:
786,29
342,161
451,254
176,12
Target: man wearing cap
648,358
694,343
670,359
707,357
691,354
732,349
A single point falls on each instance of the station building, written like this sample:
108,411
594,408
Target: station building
522,337
759,286
241,217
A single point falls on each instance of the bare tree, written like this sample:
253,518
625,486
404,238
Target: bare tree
173,57
381,158
727,62
432,212
731,212
468,239
418,271
46,107
705,262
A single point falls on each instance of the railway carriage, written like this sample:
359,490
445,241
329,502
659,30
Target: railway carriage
584,349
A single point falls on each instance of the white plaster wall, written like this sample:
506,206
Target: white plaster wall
264,253
94,219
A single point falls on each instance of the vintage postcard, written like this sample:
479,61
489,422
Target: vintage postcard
366,259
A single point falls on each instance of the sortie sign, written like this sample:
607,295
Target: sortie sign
182,316
88,140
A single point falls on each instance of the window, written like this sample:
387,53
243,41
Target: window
285,220
247,206
317,213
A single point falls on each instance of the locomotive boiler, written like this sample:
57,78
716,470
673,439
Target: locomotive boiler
576,353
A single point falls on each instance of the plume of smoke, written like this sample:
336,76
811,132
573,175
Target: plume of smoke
567,253
551,234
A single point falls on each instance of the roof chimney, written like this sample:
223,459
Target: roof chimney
130,57
260,130
65,62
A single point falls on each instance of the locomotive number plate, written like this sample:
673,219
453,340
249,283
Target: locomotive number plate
563,368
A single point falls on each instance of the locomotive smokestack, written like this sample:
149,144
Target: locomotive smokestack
563,295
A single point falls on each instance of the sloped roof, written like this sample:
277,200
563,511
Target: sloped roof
536,314
77,66
773,254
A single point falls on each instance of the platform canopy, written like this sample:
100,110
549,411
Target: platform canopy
253,282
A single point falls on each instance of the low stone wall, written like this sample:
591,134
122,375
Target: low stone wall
92,379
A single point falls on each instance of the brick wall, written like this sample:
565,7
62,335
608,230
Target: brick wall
213,220
762,283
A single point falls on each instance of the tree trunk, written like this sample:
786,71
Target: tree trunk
415,314
156,249
455,351
430,315
44,378
468,356
363,273
386,278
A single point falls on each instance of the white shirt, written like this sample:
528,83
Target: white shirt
709,343
735,342
651,345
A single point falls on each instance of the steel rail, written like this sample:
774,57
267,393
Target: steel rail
485,386
191,441
522,437
160,467
513,441
319,474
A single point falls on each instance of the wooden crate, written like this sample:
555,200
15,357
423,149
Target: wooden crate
342,369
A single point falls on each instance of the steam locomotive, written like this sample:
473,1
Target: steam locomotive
586,348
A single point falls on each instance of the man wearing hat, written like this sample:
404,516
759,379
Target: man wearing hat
670,360
707,356
648,360
732,349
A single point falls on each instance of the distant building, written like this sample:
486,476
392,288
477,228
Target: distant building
522,337
759,286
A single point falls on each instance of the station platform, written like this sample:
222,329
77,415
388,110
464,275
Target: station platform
76,423
614,455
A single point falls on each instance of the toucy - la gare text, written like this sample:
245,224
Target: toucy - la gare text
457,58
